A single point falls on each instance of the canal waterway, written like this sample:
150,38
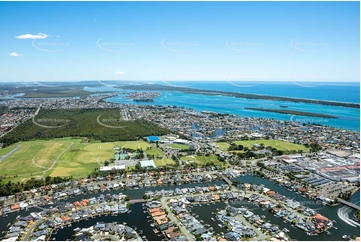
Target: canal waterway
138,218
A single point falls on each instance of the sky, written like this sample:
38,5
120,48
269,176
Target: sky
150,41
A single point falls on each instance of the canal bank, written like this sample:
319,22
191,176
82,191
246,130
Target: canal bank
135,218
328,211
139,219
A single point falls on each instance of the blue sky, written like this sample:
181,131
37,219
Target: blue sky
73,41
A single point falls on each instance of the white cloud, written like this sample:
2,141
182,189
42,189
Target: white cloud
120,72
15,54
32,36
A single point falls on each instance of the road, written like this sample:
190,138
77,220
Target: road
57,158
9,153
261,236
30,231
186,233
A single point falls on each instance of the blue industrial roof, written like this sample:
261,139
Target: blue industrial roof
153,138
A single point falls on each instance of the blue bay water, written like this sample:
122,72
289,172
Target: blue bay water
347,118
330,91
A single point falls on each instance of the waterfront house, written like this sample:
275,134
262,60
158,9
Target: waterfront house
108,227
270,193
99,210
14,236
253,197
15,207
147,183
172,232
192,190
249,233
40,233
58,221
161,219
199,231
14,229
232,236
20,224
75,216
205,189
248,214
106,208
120,229
216,187
64,218
309,225
178,191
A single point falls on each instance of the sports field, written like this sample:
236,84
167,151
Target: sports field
69,157
154,151
278,144
32,158
203,160
164,161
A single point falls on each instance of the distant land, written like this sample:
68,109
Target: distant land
76,89
293,112
156,87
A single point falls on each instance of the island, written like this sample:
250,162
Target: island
158,87
293,112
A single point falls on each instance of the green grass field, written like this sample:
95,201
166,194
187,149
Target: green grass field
203,160
164,161
279,145
154,151
179,146
158,153
35,157
81,159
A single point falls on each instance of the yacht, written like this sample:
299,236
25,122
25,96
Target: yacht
346,237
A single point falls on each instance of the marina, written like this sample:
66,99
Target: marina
204,213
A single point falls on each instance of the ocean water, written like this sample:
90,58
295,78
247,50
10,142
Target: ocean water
347,118
330,91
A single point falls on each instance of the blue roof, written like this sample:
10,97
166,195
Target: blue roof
153,138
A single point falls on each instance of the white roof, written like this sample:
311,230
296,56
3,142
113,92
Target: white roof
109,168
145,163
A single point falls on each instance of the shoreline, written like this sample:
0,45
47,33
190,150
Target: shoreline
293,112
156,87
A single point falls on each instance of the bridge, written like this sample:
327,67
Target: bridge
227,180
134,201
351,205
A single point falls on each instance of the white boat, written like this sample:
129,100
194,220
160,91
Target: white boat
346,237
77,229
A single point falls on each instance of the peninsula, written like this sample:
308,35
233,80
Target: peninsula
157,87
293,112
